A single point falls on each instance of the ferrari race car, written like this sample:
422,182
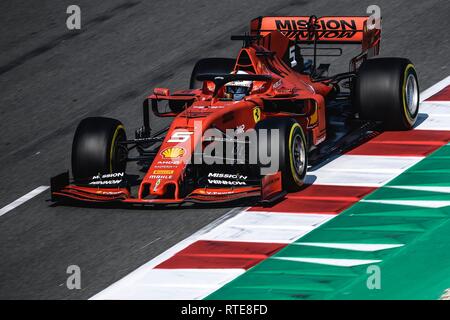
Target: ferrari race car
249,127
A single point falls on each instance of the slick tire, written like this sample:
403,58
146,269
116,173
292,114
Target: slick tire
210,65
291,147
96,148
387,90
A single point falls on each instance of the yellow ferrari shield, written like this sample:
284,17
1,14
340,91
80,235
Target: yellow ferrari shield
256,114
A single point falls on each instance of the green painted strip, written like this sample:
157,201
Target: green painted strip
420,269
407,194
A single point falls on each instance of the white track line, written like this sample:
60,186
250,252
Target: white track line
170,284
437,115
434,89
331,262
359,170
414,203
23,199
424,188
366,247
266,227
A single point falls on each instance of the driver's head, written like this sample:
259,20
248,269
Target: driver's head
237,90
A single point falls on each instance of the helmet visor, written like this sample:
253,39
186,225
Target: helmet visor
237,89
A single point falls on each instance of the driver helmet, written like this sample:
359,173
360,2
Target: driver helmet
237,90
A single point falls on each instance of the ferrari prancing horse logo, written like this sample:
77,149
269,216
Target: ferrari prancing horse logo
256,114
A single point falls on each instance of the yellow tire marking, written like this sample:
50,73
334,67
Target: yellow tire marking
405,107
111,152
291,158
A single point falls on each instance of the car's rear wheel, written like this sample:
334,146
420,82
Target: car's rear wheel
387,90
210,65
97,148
291,148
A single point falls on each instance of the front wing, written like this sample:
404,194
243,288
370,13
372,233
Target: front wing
269,191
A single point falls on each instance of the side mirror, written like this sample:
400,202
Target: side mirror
161,92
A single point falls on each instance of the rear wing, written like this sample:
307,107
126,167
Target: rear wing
331,29
320,30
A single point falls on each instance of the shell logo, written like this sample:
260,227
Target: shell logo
173,152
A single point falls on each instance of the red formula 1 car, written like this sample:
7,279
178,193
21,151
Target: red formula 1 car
249,127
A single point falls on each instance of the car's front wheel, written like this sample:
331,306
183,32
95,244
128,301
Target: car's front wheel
97,148
290,146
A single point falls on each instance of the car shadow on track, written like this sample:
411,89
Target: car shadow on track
150,207
420,119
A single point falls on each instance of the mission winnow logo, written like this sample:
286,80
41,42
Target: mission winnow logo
332,28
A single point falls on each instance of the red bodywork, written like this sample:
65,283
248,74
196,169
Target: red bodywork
266,56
